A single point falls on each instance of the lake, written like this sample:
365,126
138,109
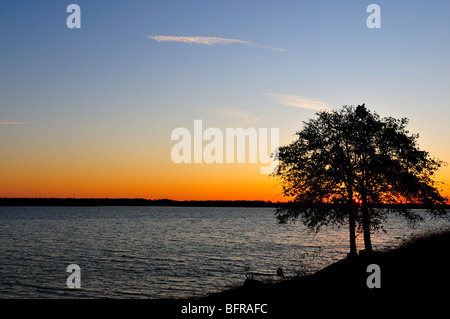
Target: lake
162,252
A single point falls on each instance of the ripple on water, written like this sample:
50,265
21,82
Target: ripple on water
159,252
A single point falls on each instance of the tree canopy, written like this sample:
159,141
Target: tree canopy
346,163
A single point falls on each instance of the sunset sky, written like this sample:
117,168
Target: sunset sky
89,112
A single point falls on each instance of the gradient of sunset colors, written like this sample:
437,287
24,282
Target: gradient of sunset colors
89,112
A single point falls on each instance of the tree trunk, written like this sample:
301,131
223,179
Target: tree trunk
366,224
352,224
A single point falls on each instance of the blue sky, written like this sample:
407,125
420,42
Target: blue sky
110,85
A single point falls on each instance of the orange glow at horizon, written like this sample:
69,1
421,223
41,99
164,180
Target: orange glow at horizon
172,181
223,186
114,176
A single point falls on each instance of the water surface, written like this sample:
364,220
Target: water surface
160,252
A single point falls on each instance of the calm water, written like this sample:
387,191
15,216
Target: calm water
159,252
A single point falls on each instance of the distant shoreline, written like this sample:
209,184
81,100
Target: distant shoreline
158,202
132,202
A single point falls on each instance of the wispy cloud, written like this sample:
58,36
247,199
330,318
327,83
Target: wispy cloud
303,102
243,117
13,123
209,41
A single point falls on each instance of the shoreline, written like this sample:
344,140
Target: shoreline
416,270
96,202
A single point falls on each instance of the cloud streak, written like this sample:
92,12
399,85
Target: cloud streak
209,41
302,102
13,123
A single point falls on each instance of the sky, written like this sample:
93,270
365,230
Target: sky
90,111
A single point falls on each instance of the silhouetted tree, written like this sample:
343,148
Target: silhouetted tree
347,162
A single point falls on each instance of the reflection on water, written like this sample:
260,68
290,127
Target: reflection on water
160,252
